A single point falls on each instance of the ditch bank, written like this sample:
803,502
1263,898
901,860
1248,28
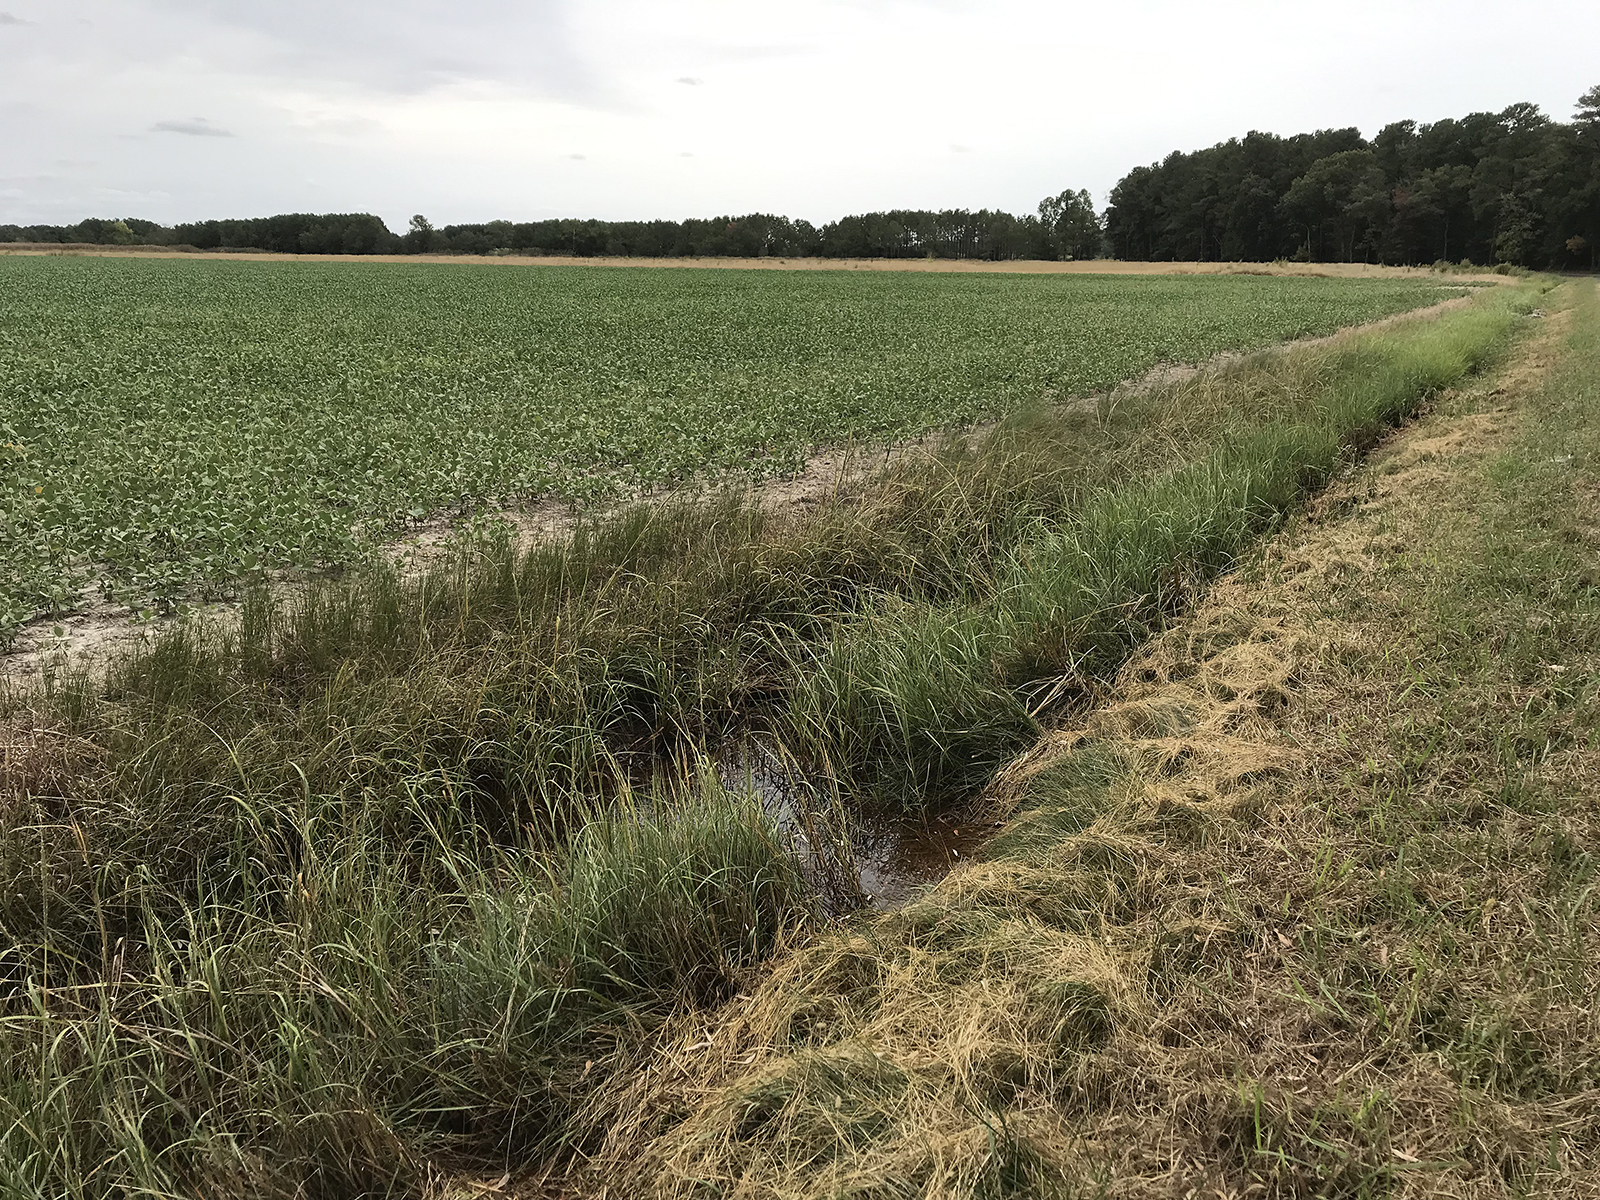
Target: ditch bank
1294,911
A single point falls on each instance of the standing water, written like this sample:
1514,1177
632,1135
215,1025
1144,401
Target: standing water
875,859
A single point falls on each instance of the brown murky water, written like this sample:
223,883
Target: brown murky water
897,859
880,859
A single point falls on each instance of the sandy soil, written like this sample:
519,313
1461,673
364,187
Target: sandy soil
939,265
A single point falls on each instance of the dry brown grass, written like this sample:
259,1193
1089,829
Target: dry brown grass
1297,914
1003,1007
38,759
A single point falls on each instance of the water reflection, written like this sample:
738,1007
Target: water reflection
856,859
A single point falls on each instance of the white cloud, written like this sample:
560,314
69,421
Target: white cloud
405,46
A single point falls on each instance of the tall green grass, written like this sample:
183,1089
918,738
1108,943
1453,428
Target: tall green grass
313,904
335,1014
924,699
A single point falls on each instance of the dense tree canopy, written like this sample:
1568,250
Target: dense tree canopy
1069,231
1071,221
1512,186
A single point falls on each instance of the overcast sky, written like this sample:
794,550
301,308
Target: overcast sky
469,110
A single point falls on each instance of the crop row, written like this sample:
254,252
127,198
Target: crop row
173,424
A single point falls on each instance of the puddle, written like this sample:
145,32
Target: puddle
896,859
879,860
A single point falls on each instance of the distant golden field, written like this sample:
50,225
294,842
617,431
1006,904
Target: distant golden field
1095,266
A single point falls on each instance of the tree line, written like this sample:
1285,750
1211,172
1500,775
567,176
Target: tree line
287,233
1066,226
1513,187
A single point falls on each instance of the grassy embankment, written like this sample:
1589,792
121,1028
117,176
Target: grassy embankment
1306,909
288,911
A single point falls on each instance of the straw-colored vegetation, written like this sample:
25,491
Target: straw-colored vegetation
409,878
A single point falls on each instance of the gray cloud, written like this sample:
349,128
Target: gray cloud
689,80
410,46
7,19
193,127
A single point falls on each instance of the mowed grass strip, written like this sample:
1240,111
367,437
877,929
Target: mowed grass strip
173,425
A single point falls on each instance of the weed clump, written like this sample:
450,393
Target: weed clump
331,1036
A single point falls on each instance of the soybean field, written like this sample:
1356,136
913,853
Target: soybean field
167,425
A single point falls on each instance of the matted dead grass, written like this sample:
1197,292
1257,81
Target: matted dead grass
999,1014
1198,961
39,759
